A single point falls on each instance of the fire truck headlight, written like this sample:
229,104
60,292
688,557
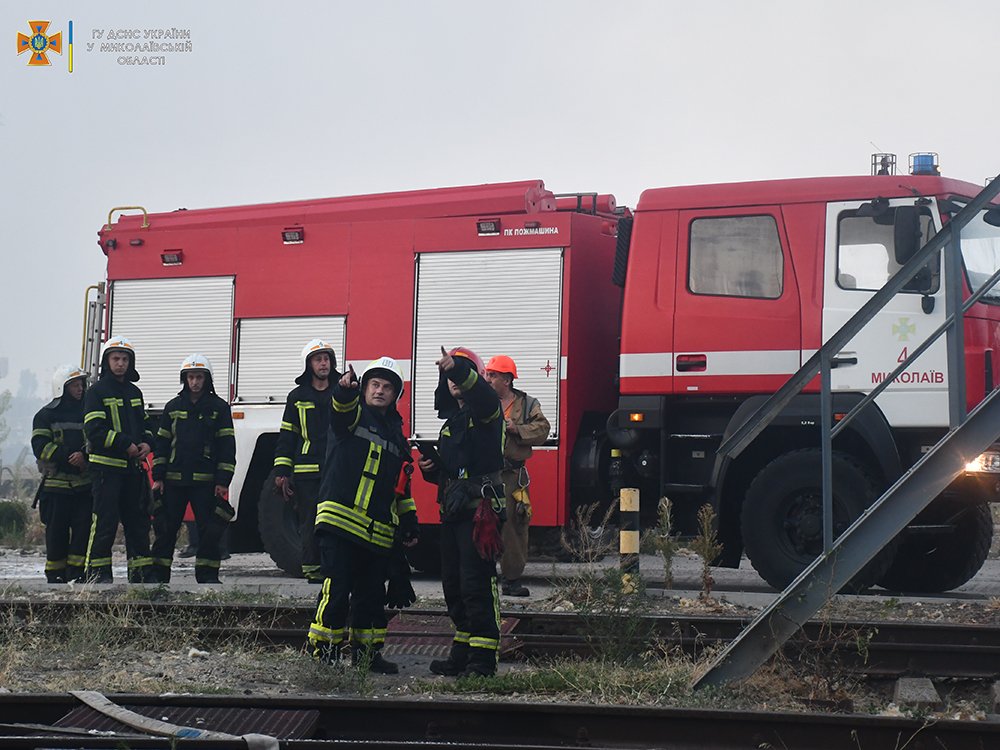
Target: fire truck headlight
985,463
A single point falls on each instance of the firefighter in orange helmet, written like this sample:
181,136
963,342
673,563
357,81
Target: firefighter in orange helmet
470,494
525,426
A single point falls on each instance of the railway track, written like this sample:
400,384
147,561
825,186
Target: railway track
297,723
882,649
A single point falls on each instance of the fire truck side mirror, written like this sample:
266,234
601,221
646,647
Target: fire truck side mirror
906,233
992,217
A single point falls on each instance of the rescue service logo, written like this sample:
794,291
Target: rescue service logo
904,329
39,44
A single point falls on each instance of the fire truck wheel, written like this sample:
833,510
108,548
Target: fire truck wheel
782,517
279,530
933,562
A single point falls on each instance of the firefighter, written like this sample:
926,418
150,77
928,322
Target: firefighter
194,461
366,504
301,448
471,499
525,426
64,495
118,442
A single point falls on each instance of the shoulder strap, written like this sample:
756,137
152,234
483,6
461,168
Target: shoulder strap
529,404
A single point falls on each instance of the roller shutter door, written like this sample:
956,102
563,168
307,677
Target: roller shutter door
494,302
168,319
270,353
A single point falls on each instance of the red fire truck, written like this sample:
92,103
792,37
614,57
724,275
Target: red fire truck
656,333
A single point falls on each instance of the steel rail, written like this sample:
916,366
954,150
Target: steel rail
886,648
390,722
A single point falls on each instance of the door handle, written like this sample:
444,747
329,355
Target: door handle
691,362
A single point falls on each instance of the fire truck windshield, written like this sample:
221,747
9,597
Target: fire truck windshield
981,255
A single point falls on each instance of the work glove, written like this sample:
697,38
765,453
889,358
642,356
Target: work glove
409,529
223,509
399,593
522,503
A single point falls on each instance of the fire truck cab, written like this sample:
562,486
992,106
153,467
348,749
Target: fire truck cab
728,290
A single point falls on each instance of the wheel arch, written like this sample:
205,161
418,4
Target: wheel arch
868,438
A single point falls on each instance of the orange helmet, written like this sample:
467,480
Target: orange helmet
461,351
502,363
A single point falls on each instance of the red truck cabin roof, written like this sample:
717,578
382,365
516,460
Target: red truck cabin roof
805,190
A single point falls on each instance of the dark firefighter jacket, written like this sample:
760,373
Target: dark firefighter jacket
195,443
57,432
301,444
114,418
472,438
362,498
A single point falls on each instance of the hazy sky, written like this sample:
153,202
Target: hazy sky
288,100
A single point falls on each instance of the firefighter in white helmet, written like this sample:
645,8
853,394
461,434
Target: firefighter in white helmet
64,497
194,461
118,442
301,448
365,499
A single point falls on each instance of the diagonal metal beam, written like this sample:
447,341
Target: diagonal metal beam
828,574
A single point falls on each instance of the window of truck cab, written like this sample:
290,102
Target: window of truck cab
735,256
981,253
866,257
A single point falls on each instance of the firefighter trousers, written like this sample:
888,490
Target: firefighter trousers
470,591
354,583
167,520
66,516
515,530
119,497
306,498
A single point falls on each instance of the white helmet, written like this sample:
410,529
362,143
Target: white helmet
120,344
388,368
117,344
315,346
62,376
198,363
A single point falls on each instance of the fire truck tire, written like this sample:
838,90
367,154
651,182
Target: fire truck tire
782,516
279,530
941,562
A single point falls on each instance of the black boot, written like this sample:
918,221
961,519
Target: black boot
514,588
326,653
55,576
372,660
157,574
100,575
482,663
455,663
204,574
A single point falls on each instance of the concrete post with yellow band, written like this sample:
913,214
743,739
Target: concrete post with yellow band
628,536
